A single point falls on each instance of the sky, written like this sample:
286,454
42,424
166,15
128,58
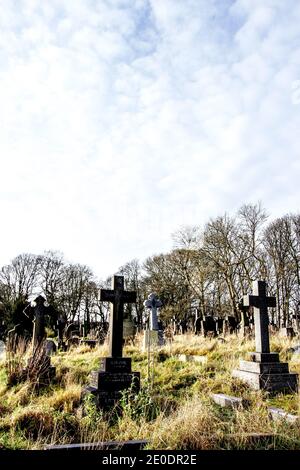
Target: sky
123,120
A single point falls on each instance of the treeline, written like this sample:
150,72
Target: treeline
213,266
210,268
71,289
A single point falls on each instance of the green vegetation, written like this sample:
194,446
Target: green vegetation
172,411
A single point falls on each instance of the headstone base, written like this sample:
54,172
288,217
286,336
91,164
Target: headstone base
263,357
227,401
113,377
279,414
265,372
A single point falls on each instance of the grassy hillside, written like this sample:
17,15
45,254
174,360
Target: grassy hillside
173,410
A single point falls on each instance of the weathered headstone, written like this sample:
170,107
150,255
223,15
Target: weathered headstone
115,373
245,323
153,336
92,343
209,326
219,325
39,362
227,401
50,347
61,324
197,327
39,312
263,369
287,332
230,325
73,342
14,338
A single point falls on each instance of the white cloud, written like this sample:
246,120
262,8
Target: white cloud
121,120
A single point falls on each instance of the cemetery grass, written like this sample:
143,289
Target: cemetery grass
174,409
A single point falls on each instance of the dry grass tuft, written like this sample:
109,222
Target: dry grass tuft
192,426
34,422
65,400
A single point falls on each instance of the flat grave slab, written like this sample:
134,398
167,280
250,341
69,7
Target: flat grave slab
192,358
280,414
287,383
228,401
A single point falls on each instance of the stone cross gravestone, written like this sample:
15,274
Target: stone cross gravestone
264,370
245,323
260,302
117,296
153,336
61,324
39,345
39,312
153,303
115,373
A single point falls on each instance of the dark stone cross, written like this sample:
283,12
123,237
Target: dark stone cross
46,372
39,311
263,370
260,302
118,297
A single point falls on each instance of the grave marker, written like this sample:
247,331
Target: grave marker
228,401
263,370
153,335
39,364
39,312
117,296
260,302
115,373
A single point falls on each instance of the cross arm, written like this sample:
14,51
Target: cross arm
251,301
255,301
107,295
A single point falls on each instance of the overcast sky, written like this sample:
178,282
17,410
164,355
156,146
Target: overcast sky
121,120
